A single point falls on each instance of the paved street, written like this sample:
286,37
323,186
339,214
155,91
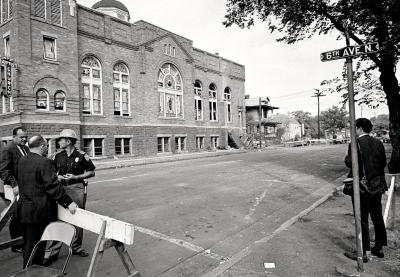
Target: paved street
192,215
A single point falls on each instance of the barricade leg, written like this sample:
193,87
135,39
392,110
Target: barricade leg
126,260
101,245
98,252
4,218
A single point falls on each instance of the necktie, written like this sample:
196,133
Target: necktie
23,150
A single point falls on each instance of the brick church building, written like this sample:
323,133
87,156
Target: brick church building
125,88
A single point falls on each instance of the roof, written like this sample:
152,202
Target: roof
110,4
283,118
255,102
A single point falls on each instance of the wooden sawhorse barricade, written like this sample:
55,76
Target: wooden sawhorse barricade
5,217
391,201
112,233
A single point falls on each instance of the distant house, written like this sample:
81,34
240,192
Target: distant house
289,128
258,117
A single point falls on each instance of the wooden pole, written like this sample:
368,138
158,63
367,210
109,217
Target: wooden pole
394,207
354,160
97,253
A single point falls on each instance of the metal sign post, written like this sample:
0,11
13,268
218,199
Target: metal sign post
348,53
354,159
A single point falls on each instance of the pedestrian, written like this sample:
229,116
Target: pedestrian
372,162
39,190
73,167
9,157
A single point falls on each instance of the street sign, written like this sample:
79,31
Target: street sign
350,51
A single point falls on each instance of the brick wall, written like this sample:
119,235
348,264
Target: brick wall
141,47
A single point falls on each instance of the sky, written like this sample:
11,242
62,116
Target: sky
287,74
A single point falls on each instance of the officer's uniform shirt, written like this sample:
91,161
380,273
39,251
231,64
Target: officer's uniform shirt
77,163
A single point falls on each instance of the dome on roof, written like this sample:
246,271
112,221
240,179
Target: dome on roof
110,4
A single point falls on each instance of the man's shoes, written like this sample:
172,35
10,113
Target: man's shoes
353,255
80,253
17,249
47,262
377,252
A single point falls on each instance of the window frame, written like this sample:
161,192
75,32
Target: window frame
91,82
123,138
46,37
200,142
214,141
175,93
163,144
7,49
9,13
213,101
198,101
180,140
228,101
121,86
37,99
64,101
92,152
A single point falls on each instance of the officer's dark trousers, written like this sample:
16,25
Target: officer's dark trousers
371,205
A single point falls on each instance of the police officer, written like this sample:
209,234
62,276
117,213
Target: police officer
73,167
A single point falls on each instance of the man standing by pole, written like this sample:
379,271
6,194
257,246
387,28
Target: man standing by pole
9,158
73,167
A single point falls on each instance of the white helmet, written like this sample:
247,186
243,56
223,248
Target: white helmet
68,133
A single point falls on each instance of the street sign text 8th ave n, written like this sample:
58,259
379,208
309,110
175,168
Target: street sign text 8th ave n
350,51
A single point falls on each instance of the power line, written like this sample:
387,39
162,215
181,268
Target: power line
293,93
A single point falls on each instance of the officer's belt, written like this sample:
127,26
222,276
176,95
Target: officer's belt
71,182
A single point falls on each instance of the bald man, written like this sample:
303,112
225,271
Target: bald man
39,190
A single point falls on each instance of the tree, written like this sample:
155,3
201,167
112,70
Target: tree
380,123
369,21
333,119
310,123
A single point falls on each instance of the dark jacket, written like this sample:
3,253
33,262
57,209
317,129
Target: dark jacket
9,157
39,190
371,155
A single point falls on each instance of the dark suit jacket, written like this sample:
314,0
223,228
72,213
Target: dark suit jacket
9,157
371,154
39,190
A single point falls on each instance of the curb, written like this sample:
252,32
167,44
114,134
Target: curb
107,164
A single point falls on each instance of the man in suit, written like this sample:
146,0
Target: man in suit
39,191
372,162
8,173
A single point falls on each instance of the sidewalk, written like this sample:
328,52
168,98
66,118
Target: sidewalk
315,244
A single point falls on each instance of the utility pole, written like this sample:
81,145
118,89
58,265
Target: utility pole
318,94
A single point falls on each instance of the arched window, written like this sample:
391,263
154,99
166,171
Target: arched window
59,101
42,100
121,90
91,86
228,104
198,103
212,98
171,91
